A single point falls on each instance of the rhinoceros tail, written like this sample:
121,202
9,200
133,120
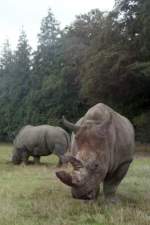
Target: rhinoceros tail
46,144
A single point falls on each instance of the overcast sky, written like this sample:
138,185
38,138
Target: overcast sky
28,13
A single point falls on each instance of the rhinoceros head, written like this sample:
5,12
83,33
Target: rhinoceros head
17,157
82,182
90,164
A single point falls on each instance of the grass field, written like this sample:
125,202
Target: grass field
31,195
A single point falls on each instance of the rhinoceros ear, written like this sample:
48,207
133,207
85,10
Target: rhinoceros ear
65,177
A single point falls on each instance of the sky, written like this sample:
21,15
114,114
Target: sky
15,14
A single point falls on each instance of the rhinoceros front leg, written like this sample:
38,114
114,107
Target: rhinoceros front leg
112,182
25,157
37,160
60,162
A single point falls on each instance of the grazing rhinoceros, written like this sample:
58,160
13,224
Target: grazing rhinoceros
39,141
102,150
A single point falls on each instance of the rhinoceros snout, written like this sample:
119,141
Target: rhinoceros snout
16,160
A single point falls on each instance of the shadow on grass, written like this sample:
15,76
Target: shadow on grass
31,163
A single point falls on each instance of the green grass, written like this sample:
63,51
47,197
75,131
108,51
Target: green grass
32,195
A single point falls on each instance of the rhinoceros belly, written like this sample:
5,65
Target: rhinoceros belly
40,151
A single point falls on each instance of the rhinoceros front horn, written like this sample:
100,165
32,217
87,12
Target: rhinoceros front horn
65,177
70,125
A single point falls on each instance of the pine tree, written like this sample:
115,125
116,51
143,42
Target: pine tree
45,70
16,86
50,31
22,66
6,67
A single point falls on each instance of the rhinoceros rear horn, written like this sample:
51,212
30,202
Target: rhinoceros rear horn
77,164
70,125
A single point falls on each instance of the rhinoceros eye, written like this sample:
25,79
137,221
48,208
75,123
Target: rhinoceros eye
93,166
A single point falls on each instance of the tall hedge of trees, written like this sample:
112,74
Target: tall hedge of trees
100,57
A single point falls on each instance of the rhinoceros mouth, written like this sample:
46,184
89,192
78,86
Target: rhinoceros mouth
88,196
82,197
16,160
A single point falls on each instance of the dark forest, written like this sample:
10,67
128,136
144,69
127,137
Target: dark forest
100,57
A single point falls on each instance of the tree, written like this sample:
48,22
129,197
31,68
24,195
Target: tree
50,31
135,20
15,84
115,61
6,65
101,57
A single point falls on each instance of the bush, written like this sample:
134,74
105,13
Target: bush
142,127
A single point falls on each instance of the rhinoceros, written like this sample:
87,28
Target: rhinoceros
102,151
40,141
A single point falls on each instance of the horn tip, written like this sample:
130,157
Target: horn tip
64,177
63,118
58,173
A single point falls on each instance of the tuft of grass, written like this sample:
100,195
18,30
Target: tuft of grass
32,195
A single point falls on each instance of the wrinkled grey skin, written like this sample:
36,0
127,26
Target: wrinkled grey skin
102,149
40,141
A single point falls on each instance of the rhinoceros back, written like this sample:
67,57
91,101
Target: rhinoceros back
121,133
60,139
120,137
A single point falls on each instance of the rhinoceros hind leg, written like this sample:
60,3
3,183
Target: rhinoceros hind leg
112,182
37,160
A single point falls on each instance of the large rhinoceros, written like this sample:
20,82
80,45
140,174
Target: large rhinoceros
39,141
102,150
